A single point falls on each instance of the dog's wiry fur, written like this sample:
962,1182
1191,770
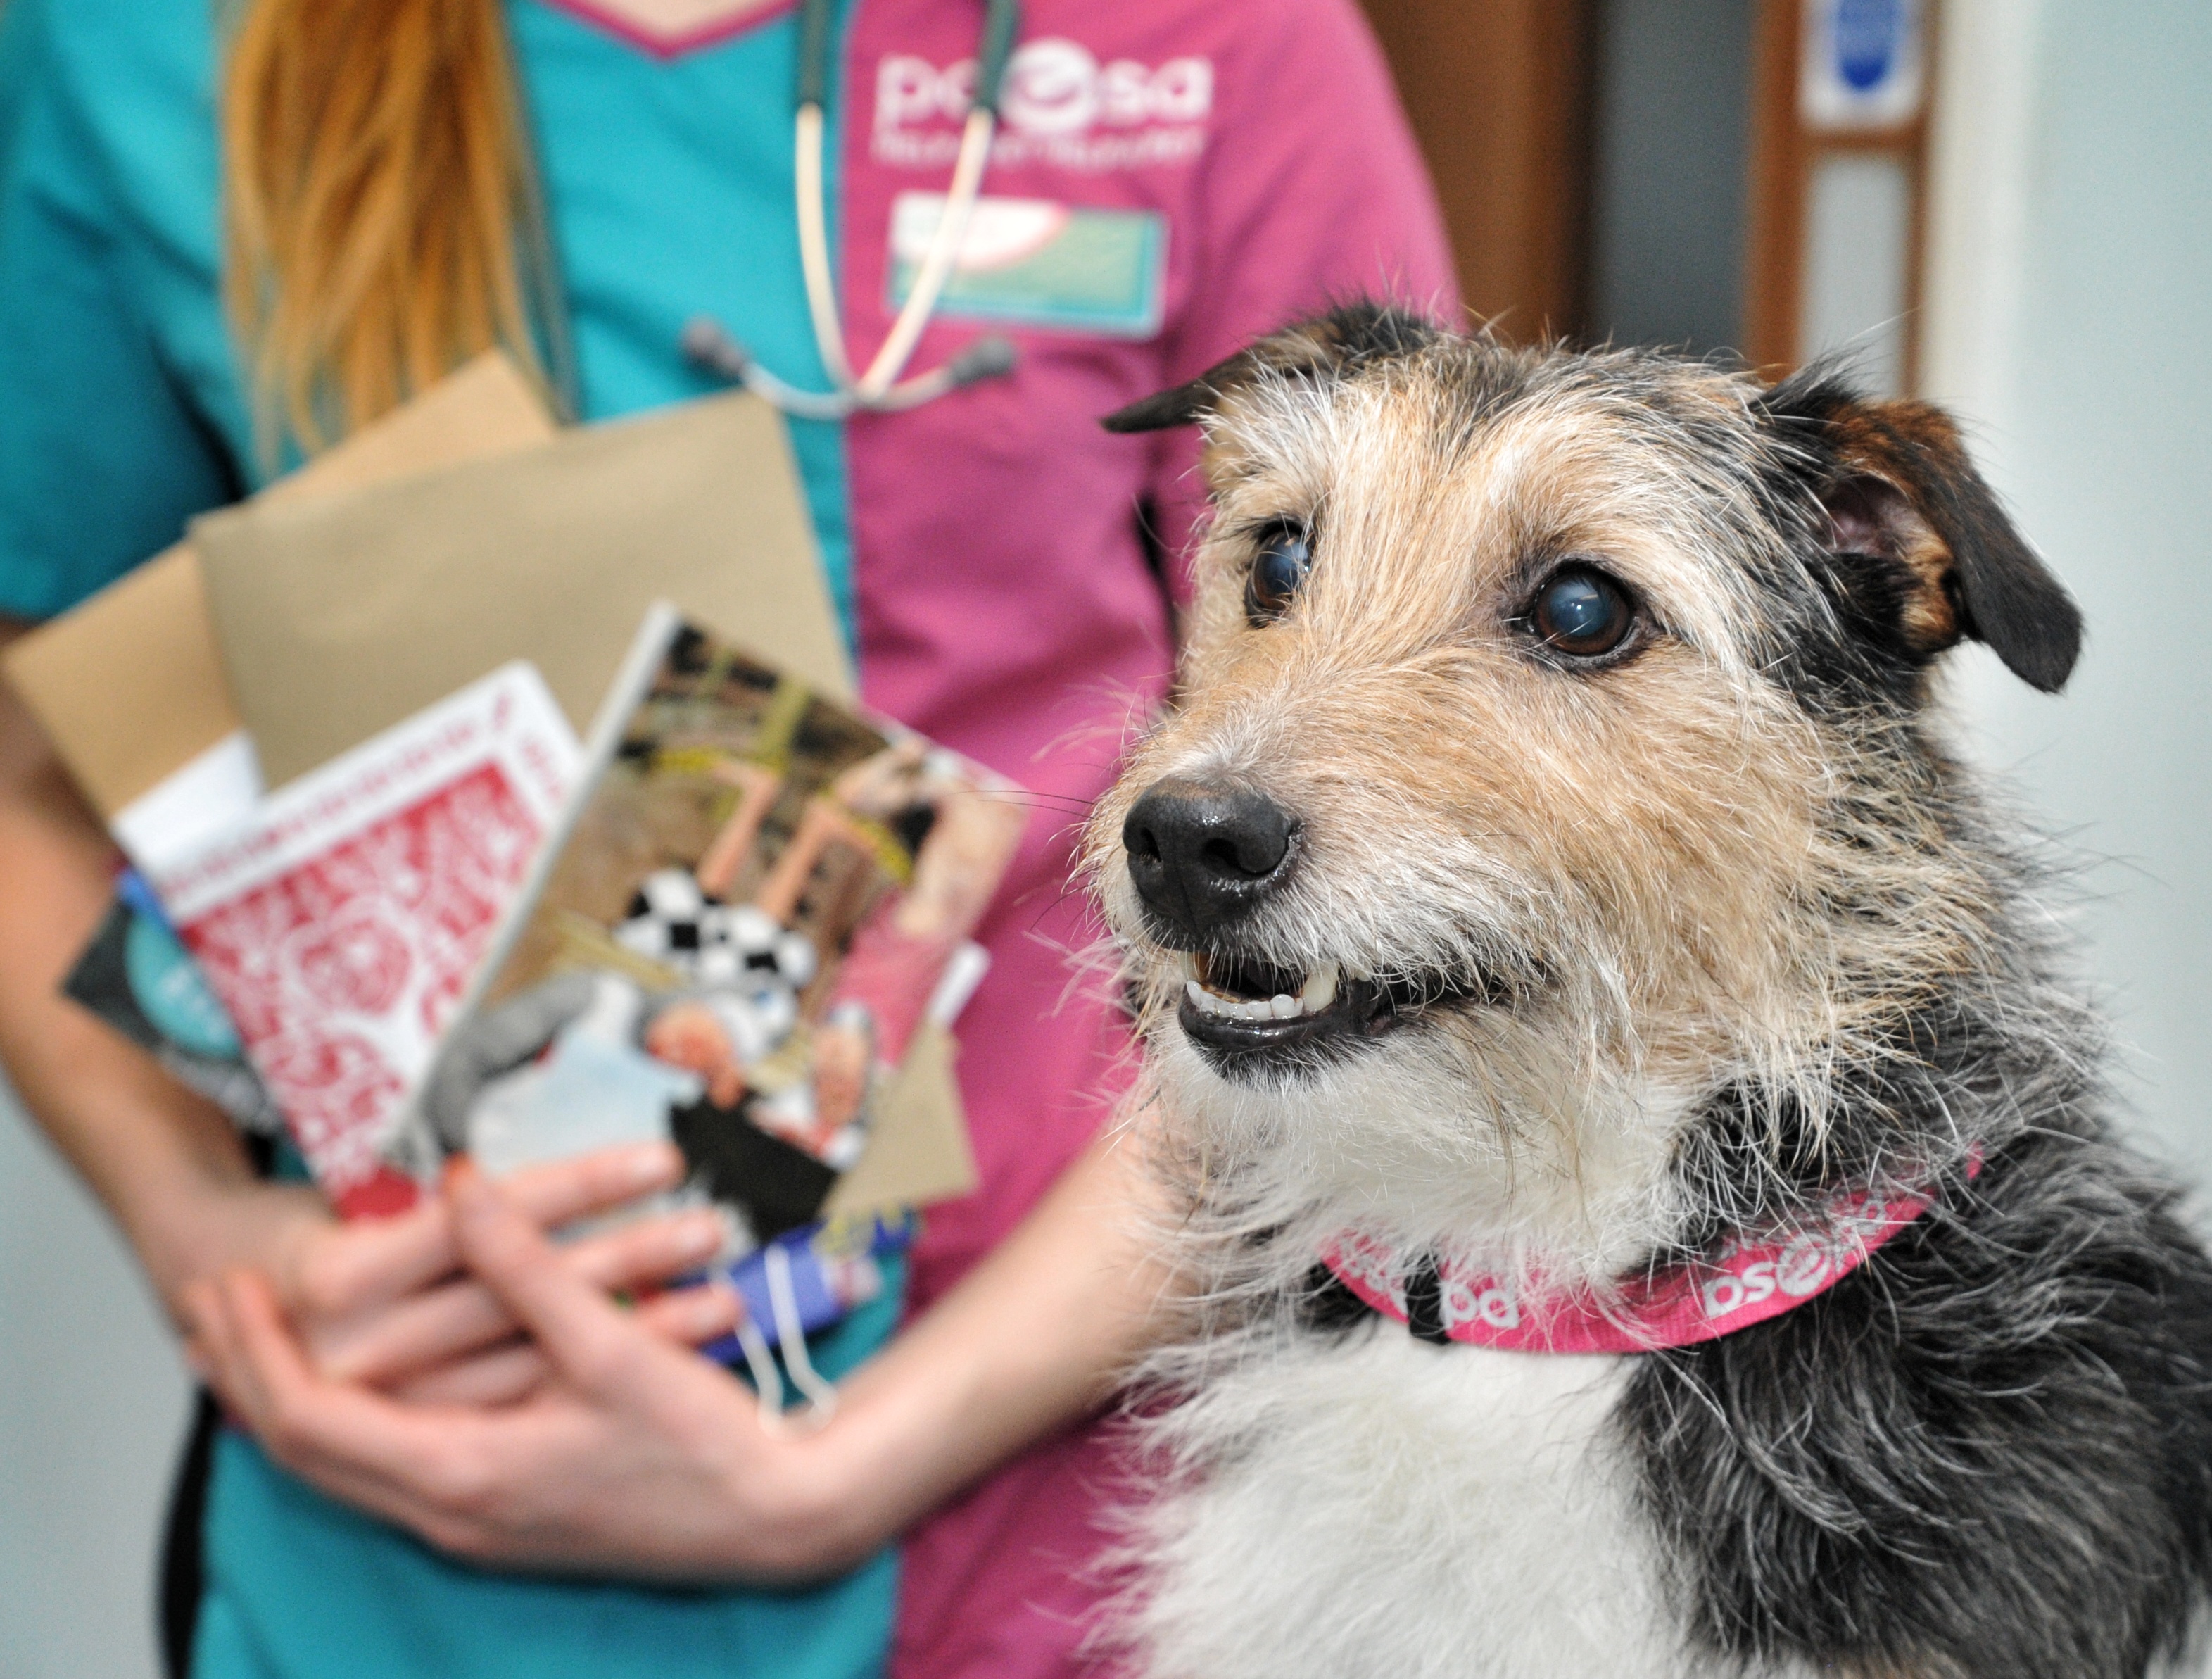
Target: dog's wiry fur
1722,927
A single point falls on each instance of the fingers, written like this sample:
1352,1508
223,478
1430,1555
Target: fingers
460,1318
207,1346
354,1266
650,1251
551,1473
589,1341
375,1262
501,1377
563,1191
379,1456
690,1316
448,1322
516,1370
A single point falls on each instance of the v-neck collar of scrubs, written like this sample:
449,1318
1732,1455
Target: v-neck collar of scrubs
656,44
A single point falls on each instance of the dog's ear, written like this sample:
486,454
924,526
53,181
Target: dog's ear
1897,482
1326,347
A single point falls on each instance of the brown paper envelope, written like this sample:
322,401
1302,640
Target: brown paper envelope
340,617
485,408
919,1150
128,685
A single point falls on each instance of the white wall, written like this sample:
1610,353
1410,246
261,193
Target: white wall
92,1409
2069,320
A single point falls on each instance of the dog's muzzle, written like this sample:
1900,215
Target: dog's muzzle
1203,857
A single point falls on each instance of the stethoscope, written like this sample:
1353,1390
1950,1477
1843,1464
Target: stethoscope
878,389
707,343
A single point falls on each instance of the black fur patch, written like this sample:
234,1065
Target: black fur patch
1988,1451
1331,344
1869,660
1751,1160
2004,595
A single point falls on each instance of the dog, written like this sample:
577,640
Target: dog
1638,1157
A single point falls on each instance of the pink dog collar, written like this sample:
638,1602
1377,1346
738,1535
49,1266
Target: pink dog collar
1750,1282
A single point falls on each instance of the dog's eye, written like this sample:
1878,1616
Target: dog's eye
1582,612
1279,566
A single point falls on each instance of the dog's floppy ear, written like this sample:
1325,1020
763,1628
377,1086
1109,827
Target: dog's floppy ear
1897,484
1329,345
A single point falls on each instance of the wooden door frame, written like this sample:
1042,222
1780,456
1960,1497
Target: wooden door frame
1499,94
1784,153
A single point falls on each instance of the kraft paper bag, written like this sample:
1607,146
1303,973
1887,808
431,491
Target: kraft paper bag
128,687
338,617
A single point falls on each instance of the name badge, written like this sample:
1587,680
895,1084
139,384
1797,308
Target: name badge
1034,262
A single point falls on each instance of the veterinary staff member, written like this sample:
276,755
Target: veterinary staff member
1168,179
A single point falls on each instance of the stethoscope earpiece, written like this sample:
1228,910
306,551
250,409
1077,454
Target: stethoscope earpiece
991,357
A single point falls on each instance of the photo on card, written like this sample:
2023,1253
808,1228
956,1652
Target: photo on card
760,896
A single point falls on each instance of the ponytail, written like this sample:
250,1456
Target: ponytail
373,167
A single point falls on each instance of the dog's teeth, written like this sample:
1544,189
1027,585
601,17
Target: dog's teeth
1207,1001
1318,992
1320,989
1186,965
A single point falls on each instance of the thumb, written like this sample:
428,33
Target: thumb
590,1343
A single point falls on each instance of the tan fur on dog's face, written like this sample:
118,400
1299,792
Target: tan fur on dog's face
1633,862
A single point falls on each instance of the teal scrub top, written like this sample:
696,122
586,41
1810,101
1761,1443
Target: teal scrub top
670,187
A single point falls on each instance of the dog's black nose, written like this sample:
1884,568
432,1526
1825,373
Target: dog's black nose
1201,856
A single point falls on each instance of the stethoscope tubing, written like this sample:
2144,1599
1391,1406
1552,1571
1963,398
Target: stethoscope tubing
879,388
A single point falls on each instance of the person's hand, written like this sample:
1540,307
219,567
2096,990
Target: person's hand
382,1302
374,1301
635,1458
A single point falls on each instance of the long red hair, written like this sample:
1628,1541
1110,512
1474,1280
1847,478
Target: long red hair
373,176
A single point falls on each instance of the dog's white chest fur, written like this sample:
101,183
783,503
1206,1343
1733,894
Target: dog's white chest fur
1378,1506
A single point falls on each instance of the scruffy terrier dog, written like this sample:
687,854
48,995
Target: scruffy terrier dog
1645,1170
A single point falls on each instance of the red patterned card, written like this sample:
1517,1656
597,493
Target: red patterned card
342,923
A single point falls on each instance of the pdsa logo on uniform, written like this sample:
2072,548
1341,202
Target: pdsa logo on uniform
1060,105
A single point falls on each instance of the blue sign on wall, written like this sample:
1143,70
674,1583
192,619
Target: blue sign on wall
1862,65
